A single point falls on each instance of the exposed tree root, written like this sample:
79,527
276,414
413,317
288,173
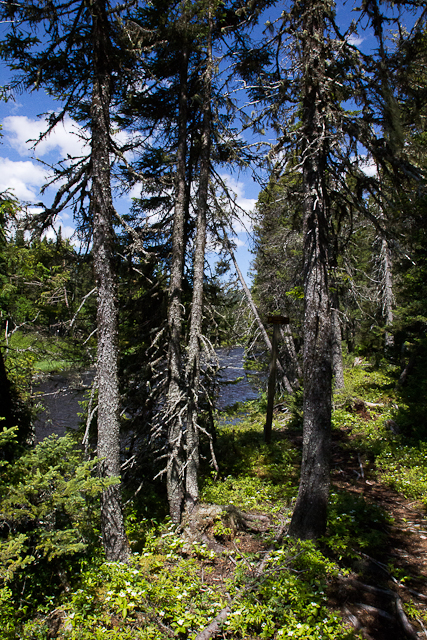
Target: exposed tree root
215,626
394,597
407,627
374,610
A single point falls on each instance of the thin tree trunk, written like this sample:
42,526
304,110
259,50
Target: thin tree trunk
193,361
310,514
387,291
6,408
113,533
288,339
175,464
256,315
337,361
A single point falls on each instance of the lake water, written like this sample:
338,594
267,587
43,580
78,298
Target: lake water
60,394
246,389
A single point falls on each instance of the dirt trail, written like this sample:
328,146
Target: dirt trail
373,598
401,568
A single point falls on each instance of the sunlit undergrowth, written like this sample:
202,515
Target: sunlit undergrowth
399,453
253,475
172,590
354,525
404,468
47,354
159,594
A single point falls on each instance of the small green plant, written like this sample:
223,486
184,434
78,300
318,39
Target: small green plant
354,525
414,611
290,599
246,493
221,531
405,469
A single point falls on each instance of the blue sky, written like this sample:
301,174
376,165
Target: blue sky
22,169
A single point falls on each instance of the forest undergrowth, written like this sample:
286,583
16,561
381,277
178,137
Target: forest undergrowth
234,567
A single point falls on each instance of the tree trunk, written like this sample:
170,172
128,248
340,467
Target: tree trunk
6,408
288,339
193,361
337,361
113,533
310,513
387,291
175,464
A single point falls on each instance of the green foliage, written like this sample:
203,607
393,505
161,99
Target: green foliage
35,281
412,396
295,405
354,525
400,460
404,468
20,367
254,475
148,593
373,385
220,530
290,599
49,511
47,354
246,493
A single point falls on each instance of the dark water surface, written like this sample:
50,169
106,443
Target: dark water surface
61,393
245,389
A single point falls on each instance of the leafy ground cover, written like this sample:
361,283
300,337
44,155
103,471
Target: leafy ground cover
46,354
367,577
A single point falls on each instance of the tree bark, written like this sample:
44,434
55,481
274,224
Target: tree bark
337,361
290,345
6,409
113,532
387,291
175,464
310,513
193,358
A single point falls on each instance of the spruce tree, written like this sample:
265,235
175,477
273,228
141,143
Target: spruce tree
318,71
72,51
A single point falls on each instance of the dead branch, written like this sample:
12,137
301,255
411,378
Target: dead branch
420,622
215,626
137,242
90,413
81,306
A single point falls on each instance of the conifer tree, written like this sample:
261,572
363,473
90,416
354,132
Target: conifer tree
70,50
316,71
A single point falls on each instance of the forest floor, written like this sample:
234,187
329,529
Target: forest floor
230,570
380,596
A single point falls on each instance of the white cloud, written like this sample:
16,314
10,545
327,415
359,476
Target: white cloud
368,167
65,139
243,221
239,243
23,178
355,40
134,192
66,230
